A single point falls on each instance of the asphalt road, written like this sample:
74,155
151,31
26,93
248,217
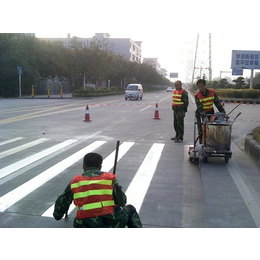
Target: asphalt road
43,141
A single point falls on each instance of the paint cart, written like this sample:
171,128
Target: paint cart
215,139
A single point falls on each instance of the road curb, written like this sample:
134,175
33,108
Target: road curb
245,102
253,149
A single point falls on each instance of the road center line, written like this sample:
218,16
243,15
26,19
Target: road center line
140,183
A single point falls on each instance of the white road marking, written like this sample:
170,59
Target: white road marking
20,192
144,108
11,140
140,183
192,97
22,147
250,201
33,158
107,165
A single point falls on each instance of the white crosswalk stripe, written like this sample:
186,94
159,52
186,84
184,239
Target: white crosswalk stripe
11,140
135,192
140,184
29,160
22,147
15,195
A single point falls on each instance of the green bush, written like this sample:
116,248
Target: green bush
89,90
101,90
113,89
238,93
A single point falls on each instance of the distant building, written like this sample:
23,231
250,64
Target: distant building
22,34
155,64
126,47
28,34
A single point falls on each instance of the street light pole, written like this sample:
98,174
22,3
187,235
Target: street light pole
251,79
20,80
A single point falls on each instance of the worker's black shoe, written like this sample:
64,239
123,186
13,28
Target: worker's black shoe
178,141
174,138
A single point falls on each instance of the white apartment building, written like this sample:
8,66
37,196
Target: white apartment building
126,47
155,64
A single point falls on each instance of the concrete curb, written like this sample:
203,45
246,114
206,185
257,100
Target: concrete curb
236,101
64,96
253,149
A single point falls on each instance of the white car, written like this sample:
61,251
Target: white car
169,89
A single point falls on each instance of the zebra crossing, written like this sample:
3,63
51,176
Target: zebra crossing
20,156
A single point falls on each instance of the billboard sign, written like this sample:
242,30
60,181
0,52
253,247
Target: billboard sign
245,59
174,75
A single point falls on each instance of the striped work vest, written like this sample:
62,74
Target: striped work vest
208,101
176,97
93,196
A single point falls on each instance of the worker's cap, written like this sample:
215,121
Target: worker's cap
93,160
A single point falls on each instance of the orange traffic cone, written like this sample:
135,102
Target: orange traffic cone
156,113
87,117
223,104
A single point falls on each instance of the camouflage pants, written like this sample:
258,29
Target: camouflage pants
178,123
200,124
130,217
122,217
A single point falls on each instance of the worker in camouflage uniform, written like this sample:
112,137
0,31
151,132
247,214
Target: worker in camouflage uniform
99,199
180,103
204,99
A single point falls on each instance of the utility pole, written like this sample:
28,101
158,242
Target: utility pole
20,72
210,69
194,67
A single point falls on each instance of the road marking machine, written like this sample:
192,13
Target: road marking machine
215,138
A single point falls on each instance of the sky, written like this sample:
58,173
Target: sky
168,29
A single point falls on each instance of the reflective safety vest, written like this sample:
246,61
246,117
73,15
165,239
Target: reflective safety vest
176,97
93,196
208,101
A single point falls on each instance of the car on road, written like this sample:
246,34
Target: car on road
169,89
134,91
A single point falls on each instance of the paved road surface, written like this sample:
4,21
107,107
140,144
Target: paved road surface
43,141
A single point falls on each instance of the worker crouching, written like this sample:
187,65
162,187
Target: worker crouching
98,197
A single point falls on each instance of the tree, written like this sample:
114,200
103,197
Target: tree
41,59
256,79
239,82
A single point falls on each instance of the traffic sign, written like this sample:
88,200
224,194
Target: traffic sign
174,75
20,70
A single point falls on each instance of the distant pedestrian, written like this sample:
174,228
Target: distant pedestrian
180,103
204,99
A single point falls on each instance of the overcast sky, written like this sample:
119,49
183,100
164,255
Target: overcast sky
167,29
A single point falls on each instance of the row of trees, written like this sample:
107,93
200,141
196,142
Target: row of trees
239,83
41,59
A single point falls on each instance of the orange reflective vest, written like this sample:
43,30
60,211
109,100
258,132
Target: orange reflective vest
208,101
176,97
93,196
